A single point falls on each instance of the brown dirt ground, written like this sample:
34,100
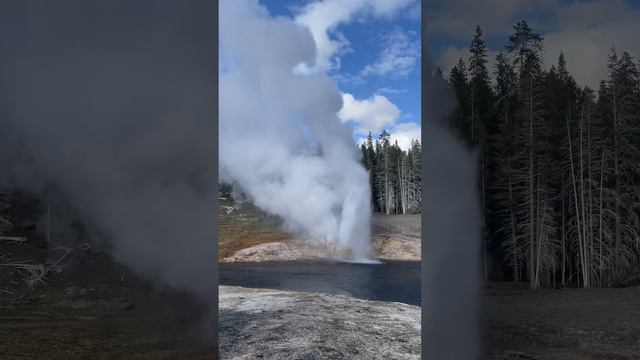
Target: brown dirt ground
246,227
87,312
571,324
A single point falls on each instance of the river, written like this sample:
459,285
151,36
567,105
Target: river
397,281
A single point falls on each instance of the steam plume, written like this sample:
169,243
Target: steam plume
281,141
111,102
451,233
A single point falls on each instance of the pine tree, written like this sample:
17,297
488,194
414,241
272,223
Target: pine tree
371,157
415,176
460,119
506,180
481,113
621,141
525,46
562,183
378,172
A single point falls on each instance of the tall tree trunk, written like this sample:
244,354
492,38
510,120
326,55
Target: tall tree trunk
472,116
49,216
484,214
600,215
564,241
590,183
586,256
387,191
512,216
540,223
514,238
531,199
616,175
576,203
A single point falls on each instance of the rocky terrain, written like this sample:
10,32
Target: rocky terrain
276,324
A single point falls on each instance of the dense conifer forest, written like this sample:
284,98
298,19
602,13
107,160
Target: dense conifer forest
558,163
395,175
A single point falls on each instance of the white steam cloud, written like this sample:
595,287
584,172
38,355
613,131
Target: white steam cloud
322,18
281,141
452,232
114,113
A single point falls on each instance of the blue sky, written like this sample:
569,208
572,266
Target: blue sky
379,62
584,30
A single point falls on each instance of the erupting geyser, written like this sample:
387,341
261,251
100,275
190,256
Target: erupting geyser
281,141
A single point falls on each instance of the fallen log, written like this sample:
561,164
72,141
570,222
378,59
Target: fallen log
36,273
18,239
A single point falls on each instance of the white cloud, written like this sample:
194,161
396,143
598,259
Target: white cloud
496,17
322,18
399,56
391,91
594,14
388,8
586,32
347,79
415,12
449,57
372,114
404,133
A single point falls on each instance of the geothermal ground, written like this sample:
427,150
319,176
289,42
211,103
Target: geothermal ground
571,324
94,309
318,321
276,324
248,235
